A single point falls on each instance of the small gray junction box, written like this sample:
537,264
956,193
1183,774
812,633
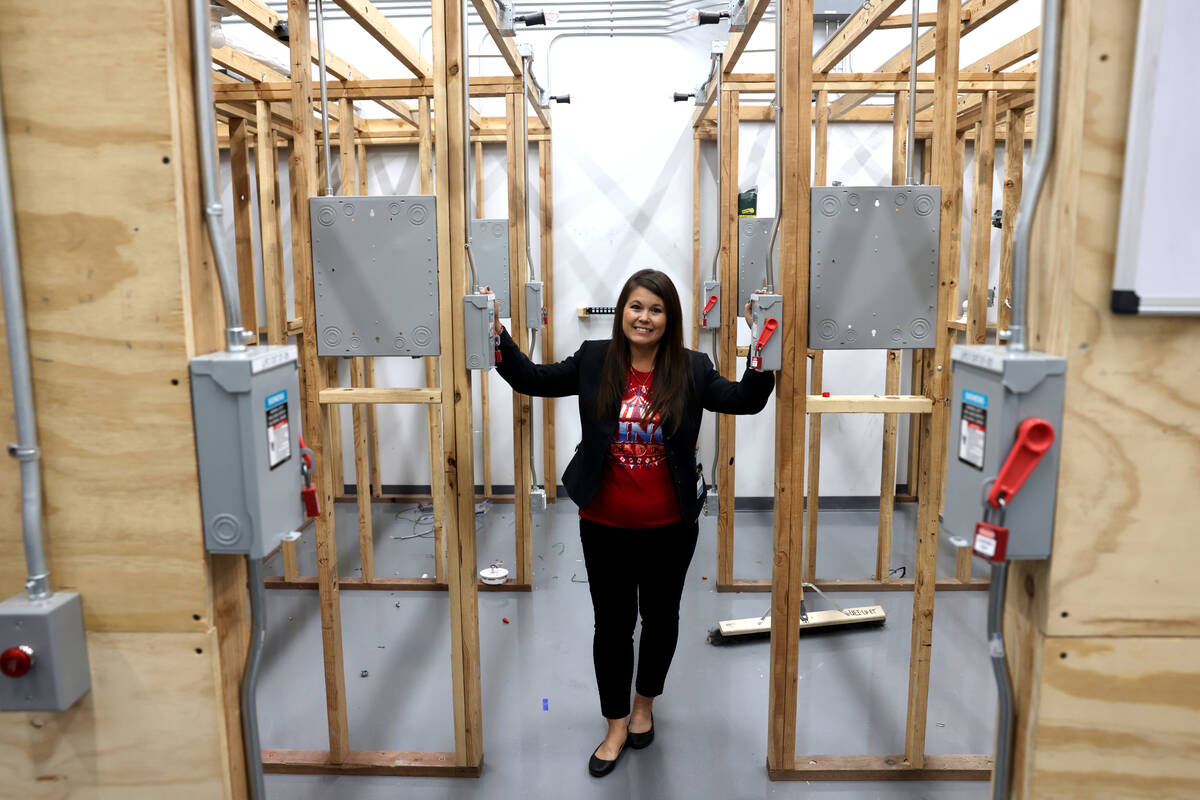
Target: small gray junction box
246,408
754,236
50,632
489,249
873,278
995,390
710,306
375,275
766,310
535,309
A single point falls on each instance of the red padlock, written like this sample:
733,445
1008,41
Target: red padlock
309,495
990,541
496,342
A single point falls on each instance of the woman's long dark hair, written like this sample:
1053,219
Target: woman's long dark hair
672,367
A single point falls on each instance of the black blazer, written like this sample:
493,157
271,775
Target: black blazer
580,374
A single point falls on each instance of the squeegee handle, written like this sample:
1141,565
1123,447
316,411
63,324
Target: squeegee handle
1034,437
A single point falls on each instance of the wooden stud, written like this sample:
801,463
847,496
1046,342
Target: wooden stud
302,166
981,223
816,365
948,174
1014,155
812,498
333,417
449,28
727,335
362,475
517,275
795,17
485,407
437,483
546,198
887,481
887,472
274,287
369,364
239,164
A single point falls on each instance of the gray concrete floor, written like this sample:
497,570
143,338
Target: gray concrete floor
711,723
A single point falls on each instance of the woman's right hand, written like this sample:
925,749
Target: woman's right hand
495,311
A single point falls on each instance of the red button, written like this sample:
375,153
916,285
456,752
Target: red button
16,661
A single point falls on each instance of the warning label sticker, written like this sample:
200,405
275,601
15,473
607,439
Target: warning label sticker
973,435
279,440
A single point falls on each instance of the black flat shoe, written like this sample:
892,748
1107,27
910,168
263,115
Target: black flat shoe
600,767
639,740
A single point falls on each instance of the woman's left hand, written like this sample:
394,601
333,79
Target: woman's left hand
746,311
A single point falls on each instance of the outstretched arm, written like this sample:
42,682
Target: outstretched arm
747,396
537,380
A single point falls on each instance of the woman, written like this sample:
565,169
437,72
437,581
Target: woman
637,485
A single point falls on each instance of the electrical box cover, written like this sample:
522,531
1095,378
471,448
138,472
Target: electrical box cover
375,275
710,320
535,308
479,331
754,236
995,390
52,630
489,249
873,276
246,410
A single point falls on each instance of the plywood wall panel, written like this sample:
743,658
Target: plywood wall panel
95,180
1119,718
100,749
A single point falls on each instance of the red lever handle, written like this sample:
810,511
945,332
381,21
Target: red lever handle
712,301
768,328
1034,437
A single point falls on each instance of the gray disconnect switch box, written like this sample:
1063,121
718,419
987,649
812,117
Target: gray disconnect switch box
479,329
766,338
535,309
995,390
43,654
246,407
710,306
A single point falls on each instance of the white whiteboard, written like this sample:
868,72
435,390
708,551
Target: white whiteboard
1158,240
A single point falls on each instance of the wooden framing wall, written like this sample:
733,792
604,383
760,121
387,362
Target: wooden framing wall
795,556
447,393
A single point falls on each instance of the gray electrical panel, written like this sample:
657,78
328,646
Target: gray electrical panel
766,336
754,236
375,275
246,410
489,249
874,262
49,636
710,306
479,331
535,309
995,390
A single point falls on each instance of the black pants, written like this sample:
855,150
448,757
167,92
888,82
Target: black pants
631,570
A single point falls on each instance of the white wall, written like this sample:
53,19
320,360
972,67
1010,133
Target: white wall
623,201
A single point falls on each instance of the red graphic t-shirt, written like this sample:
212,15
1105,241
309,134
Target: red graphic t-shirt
635,488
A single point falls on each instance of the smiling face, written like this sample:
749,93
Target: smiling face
644,318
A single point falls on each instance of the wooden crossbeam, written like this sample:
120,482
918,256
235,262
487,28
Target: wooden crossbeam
739,39
267,21
874,82
383,31
867,18
869,404
998,60
342,395
972,14
487,14
905,21
363,89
